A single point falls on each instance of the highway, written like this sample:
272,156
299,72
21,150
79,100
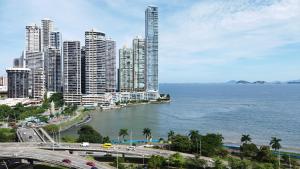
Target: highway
28,135
51,157
55,152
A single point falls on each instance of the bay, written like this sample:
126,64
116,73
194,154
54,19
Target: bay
263,111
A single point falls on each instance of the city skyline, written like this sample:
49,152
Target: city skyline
215,41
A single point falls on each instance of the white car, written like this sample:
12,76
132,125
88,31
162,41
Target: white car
131,148
85,144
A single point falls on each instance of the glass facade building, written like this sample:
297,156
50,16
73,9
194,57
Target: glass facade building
151,36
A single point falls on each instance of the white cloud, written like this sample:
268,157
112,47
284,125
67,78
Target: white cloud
230,29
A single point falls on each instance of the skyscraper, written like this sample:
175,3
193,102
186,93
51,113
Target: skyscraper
33,38
126,69
110,68
99,63
151,35
139,62
83,70
17,82
55,40
34,58
72,72
47,28
53,69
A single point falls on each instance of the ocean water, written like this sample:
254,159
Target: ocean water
263,111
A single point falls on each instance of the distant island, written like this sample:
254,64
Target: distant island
263,82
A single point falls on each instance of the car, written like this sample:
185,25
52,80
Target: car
131,148
148,146
90,163
107,145
94,168
30,137
85,144
66,161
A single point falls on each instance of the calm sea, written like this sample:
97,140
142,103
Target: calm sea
263,111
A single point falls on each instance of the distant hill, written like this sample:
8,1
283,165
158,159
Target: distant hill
242,82
263,82
293,82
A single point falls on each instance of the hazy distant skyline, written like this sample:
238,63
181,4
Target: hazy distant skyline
199,40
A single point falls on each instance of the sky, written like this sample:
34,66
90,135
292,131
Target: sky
200,41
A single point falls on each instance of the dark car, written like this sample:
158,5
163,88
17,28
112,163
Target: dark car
66,161
90,163
94,168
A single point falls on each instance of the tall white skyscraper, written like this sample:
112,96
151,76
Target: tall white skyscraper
72,72
151,35
100,71
34,60
33,38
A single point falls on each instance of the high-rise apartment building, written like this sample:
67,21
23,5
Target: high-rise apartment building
110,68
126,69
19,62
17,82
35,62
83,70
72,72
55,40
139,64
151,35
33,38
53,69
100,71
47,28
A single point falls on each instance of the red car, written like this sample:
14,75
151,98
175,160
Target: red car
90,163
66,161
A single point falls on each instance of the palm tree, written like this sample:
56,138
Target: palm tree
194,135
147,133
123,133
274,143
171,134
246,138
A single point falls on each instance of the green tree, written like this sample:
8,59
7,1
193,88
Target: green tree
171,134
51,128
239,164
177,160
57,98
264,154
147,133
181,143
156,162
195,139
69,139
275,143
218,164
123,133
246,138
248,150
5,112
195,163
106,140
211,144
88,134
7,135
